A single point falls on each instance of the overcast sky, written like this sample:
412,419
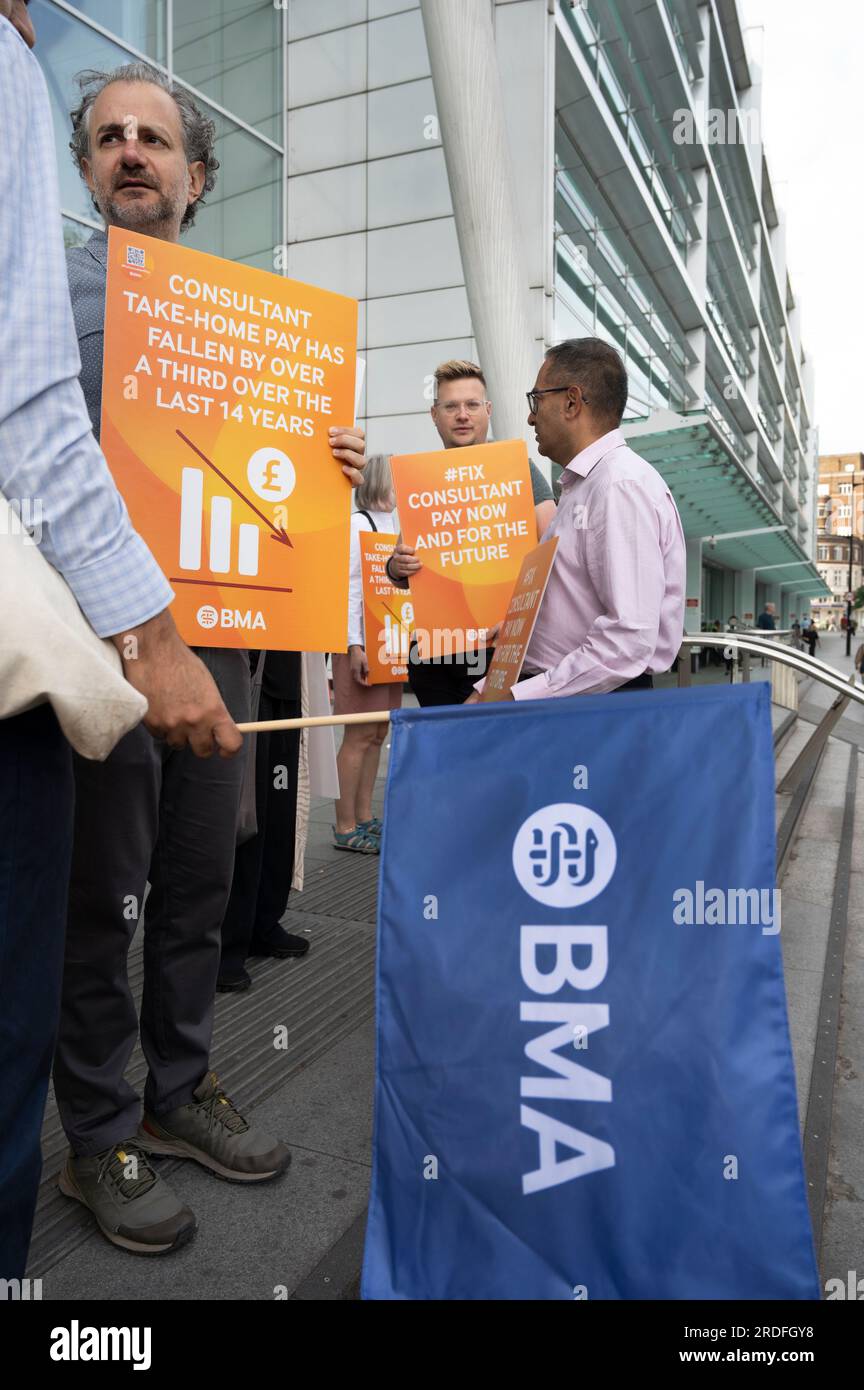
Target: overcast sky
812,128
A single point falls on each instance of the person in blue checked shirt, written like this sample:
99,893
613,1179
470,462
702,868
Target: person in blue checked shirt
47,451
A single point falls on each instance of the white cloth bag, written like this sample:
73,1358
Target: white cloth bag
49,652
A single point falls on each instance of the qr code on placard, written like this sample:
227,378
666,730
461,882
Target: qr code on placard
134,255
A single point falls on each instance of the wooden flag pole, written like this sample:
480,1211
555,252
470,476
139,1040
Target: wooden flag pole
378,716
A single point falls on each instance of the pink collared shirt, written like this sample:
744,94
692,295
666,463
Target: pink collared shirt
614,605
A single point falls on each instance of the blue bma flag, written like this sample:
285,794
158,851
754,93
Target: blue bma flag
584,1084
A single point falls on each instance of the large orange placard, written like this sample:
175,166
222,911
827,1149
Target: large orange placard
388,612
220,384
469,514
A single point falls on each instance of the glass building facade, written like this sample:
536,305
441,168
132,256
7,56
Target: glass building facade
231,54
673,250
668,244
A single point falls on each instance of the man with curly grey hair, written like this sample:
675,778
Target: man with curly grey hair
150,812
138,181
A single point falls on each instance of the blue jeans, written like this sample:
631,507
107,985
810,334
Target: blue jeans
36,800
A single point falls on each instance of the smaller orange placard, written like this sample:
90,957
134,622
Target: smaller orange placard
515,632
469,514
388,612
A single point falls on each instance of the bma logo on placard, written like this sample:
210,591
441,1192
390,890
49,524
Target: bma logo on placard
209,617
564,855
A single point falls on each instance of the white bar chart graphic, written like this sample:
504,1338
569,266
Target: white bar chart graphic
247,555
192,530
191,517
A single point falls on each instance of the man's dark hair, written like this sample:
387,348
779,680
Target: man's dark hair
598,369
199,133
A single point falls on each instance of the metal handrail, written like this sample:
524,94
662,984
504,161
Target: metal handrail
767,633
761,646
762,631
786,656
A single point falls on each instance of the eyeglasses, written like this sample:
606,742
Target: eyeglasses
532,396
453,407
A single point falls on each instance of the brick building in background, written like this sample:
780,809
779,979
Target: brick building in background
839,517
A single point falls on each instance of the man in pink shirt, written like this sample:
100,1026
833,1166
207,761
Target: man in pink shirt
613,612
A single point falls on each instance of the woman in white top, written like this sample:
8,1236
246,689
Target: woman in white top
356,828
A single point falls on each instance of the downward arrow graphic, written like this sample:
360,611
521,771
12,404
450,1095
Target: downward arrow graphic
277,533
399,621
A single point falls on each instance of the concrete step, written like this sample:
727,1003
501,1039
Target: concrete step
823,957
843,1229
807,894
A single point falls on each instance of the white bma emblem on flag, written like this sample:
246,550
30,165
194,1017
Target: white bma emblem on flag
135,256
564,855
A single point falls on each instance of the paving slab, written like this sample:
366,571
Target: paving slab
803,989
803,933
843,1237
811,872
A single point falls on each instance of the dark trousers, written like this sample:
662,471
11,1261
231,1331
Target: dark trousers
264,865
445,682
148,811
36,798
643,682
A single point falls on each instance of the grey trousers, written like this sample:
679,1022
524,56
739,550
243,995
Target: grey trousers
157,813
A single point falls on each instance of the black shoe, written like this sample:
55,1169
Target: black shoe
280,945
234,984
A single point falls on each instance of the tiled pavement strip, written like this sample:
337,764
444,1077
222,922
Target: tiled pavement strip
301,1236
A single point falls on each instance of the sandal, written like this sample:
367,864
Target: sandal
371,827
357,841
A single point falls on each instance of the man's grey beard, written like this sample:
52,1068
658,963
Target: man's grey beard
134,217
139,217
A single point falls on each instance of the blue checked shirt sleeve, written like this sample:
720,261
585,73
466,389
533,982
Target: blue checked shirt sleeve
50,464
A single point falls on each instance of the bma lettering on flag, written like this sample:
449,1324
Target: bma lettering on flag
576,1089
